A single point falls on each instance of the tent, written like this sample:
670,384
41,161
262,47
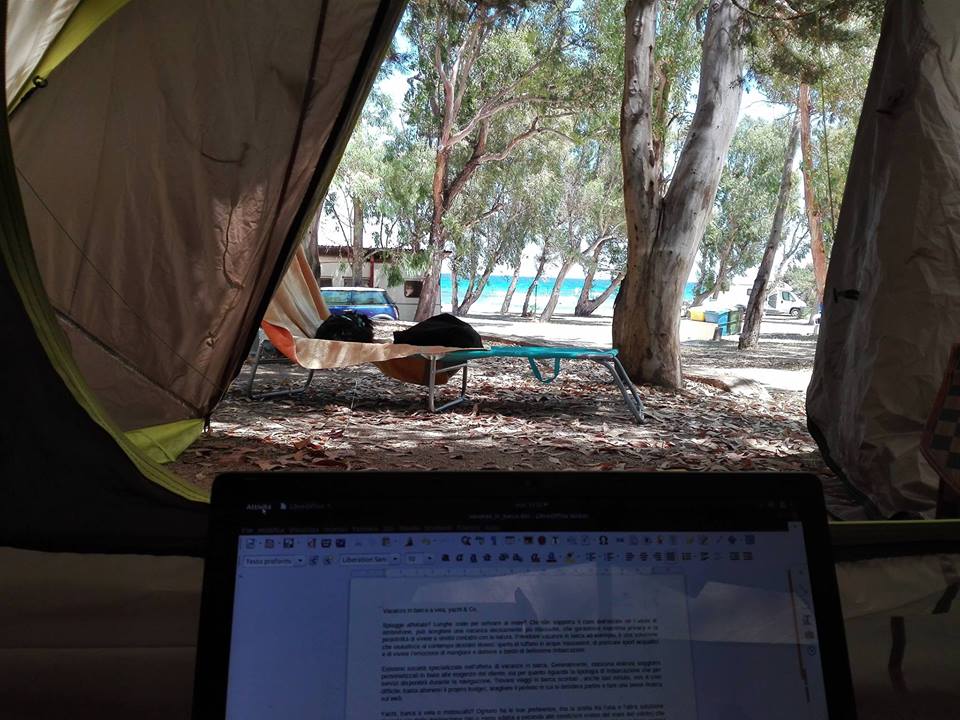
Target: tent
168,156
892,303
160,162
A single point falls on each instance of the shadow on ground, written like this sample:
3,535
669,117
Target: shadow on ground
357,419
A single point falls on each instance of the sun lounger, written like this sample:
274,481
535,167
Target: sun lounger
444,365
297,309
440,366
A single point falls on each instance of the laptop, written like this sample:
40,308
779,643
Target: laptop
509,596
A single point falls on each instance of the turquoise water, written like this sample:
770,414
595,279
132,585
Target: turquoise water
496,289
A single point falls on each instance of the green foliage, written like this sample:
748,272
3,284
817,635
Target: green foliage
807,40
562,61
527,51
828,44
745,203
507,207
801,279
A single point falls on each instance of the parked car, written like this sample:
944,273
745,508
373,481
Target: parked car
375,303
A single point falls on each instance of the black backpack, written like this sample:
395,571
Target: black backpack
348,326
444,330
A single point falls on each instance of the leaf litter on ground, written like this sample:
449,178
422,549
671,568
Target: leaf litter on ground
358,419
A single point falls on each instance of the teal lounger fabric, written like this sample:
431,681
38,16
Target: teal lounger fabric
532,354
525,351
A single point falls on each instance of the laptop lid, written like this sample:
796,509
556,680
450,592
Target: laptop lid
461,596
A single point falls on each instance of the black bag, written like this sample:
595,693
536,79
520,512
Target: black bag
444,330
348,326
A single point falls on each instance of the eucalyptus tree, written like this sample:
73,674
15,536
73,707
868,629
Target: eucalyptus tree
611,258
356,192
746,199
545,251
667,216
822,52
591,211
475,68
666,219
750,332
505,206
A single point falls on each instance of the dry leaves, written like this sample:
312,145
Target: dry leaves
357,419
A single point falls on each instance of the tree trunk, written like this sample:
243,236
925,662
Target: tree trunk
437,240
724,263
555,291
663,234
750,333
588,282
788,254
541,264
356,235
814,215
511,288
430,293
454,284
311,248
702,294
587,306
476,288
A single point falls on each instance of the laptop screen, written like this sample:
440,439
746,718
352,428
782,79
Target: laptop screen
527,617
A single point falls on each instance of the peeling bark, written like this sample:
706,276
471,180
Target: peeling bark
664,232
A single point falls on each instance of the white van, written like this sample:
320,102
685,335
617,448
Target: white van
784,302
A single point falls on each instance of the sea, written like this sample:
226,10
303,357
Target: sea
496,289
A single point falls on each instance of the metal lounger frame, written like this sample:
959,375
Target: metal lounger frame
629,392
275,393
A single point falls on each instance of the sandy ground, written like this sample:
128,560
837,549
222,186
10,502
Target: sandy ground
356,418
783,363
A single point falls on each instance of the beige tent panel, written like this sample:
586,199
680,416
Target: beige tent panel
892,301
175,188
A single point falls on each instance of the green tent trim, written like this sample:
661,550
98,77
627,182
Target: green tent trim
164,443
86,17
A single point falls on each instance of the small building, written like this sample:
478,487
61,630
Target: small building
335,271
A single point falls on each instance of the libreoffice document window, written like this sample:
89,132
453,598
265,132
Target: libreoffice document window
514,626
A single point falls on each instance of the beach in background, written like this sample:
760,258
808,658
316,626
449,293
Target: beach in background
496,289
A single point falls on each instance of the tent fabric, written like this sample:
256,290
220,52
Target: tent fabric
175,190
296,311
69,478
31,28
86,17
892,302
115,639
164,443
66,480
